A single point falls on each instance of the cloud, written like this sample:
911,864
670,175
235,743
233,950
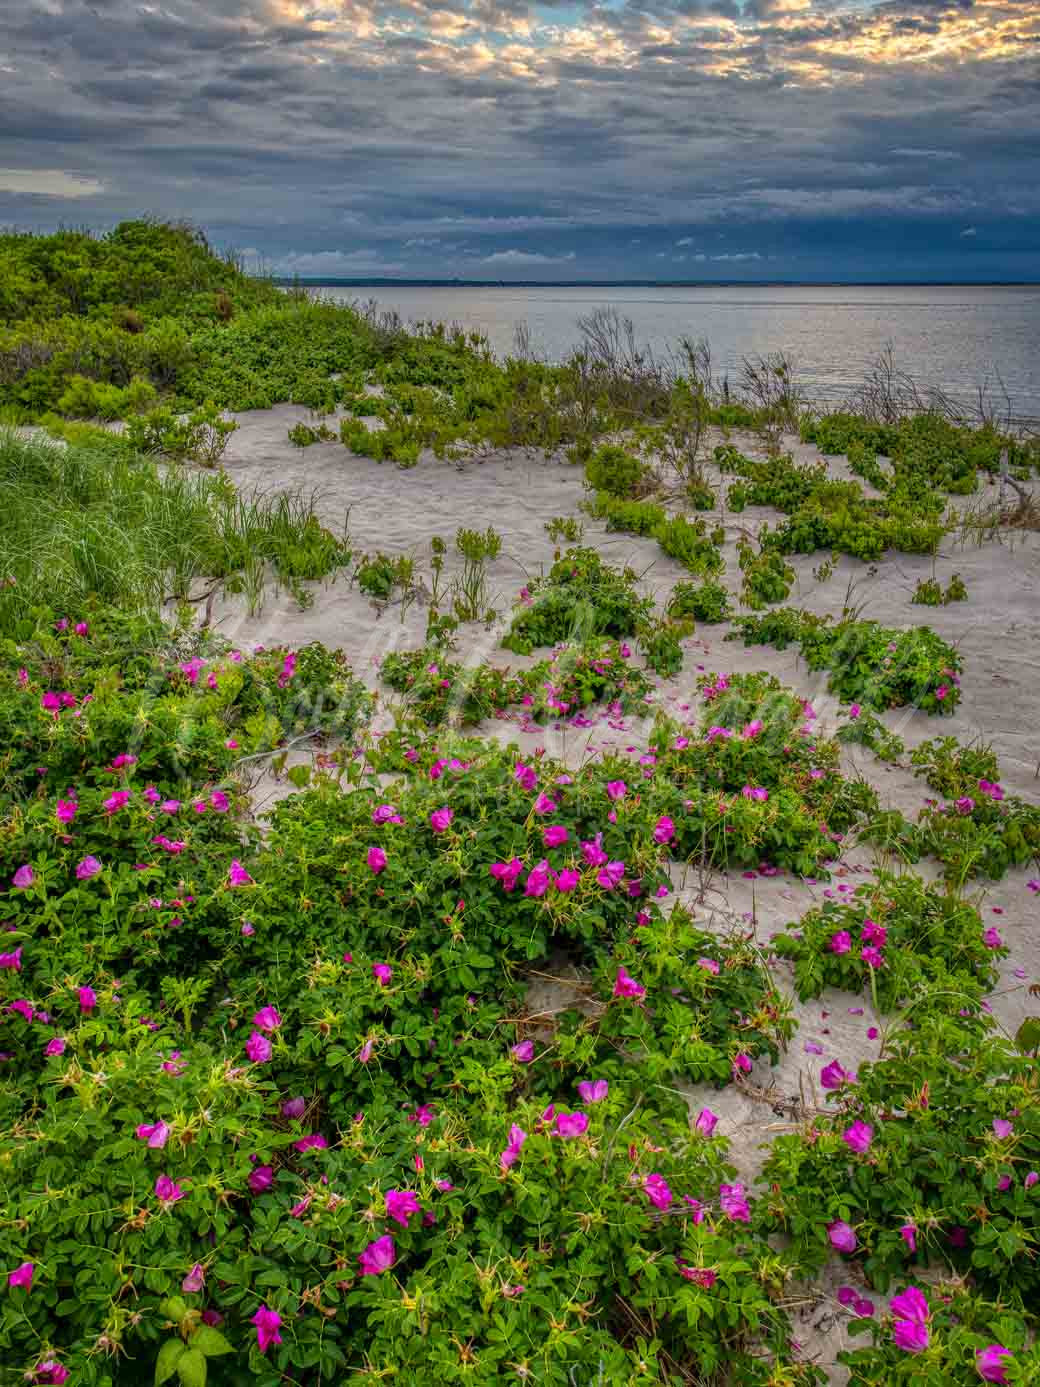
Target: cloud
969,231
335,263
348,138
739,255
49,183
526,257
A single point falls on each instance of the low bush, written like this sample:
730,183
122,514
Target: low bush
868,663
896,938
581,597
707,602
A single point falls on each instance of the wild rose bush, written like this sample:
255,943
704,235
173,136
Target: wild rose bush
954,1338
440,690
868,663
932,1157
359,1231
898,938
582,596
104,700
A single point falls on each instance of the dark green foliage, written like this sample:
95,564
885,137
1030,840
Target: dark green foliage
707,602
868,663
581,597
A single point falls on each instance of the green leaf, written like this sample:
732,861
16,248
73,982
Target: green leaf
210,1341
191,1368
167,1361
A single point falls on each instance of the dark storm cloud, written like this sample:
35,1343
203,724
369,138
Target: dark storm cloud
357,128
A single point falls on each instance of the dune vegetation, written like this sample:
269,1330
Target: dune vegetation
275,1106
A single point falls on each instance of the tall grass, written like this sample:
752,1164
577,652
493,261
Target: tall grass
80,523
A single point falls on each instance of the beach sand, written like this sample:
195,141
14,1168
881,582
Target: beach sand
997,631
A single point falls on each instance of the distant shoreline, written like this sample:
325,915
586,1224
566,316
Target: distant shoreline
310,281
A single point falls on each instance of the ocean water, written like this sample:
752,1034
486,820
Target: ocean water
958,337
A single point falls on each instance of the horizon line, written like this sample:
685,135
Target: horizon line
338,281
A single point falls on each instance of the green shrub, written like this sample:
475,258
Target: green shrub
707,602
615,471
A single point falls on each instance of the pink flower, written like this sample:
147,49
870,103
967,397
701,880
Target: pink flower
23,877
22,1276
733,1203
657,1191
523,1051
261,1178
50,1371
87,999
1031,1179
382,972
554,836
314,1141
593,851
507,872
12,960
156,1134
538,880
267,1323
854,710
700,1276
247,929
194,1281
116,801
386,814
872,933
567,879
167,1192
841,942
23,1008
1002,1128
706,1122
288,669
66,810
55,1046
517,1137
989,1362
525,776
423,1115
664,830
741,1064
755,792
833,1075
709,965
544,805
219,802
366,1052
376,860
572,1124
842,1237
910,1330
611,875
89,867
267,1018
237,874
258,1048
440,819
625,986
941,692
294,1108
858,1137
991,938
908,1233
378,1256
616,789
593,1090
400,1205
872,957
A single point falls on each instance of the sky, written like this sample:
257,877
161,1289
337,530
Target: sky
807,140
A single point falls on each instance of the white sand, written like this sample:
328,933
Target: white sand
997,631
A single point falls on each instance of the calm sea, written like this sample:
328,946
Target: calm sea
956,337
